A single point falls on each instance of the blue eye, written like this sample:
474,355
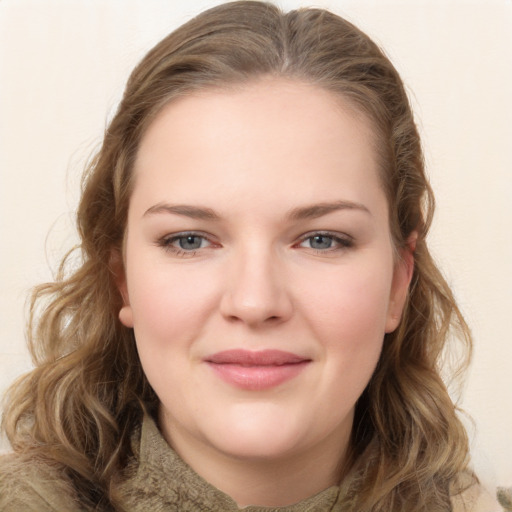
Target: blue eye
320,242
326,242
184,243
190,242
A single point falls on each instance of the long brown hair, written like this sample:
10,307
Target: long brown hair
87,392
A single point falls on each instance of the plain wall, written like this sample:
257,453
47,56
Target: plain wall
63,65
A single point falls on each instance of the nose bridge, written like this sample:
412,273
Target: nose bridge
256,288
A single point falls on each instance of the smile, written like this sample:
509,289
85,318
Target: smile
256,371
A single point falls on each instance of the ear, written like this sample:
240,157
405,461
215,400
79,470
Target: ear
118,269
402,275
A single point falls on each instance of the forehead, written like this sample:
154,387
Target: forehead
272,135
285,99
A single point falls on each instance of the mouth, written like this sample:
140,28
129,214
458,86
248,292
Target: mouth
256,371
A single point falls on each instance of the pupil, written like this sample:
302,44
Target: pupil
190,242
321,242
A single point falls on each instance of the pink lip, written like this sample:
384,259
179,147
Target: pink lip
256,371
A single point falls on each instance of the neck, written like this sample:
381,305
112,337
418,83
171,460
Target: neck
274,483
266,482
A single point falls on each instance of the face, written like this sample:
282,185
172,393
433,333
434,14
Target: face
259,276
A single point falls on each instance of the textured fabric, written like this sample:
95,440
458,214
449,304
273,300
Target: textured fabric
185,490
33,488
158,480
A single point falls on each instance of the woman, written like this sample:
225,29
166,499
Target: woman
257,321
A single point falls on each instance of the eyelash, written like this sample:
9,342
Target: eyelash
167,241
342,242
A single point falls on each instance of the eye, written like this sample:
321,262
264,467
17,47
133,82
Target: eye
190,242
320,241
326,242
184,244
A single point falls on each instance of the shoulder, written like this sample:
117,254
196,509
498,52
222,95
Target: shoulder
474,498
28,485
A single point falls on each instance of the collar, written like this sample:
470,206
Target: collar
160,479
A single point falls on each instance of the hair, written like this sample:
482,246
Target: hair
87,393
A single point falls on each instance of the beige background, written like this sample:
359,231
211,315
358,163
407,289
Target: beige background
63,65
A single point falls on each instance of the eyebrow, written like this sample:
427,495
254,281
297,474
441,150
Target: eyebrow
301,213
319,210
193,212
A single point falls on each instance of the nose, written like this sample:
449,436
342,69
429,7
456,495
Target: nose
257,290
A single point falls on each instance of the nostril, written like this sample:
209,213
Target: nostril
255,303
235,318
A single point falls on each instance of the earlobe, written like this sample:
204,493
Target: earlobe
117,267
402,276
126,316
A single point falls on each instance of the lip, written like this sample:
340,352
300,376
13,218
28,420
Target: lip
256,370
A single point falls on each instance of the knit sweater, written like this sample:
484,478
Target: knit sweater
159,480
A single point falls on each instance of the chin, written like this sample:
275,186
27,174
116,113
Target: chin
256,447
259,436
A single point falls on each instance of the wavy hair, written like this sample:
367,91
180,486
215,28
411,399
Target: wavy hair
87,392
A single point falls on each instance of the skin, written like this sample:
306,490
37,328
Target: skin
249,164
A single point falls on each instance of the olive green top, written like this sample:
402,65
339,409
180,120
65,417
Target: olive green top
158,481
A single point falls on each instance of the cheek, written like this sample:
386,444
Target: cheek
348,319
351,308
170,311
169,305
